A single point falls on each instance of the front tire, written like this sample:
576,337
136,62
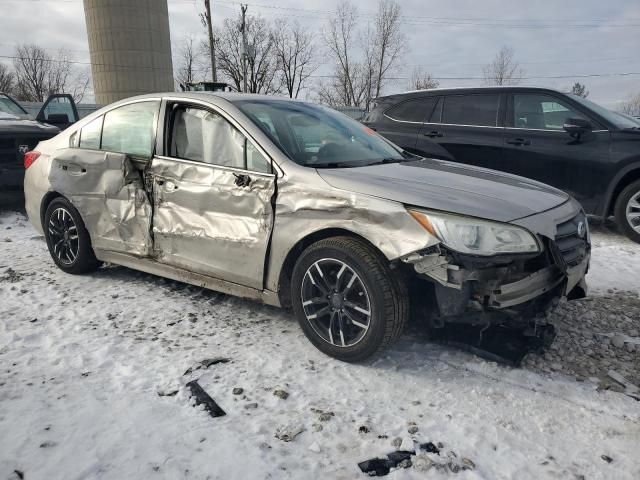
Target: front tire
68,239
627,211
349,303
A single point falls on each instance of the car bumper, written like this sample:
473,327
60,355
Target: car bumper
572,285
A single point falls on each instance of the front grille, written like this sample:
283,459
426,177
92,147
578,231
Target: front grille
10,148
570,244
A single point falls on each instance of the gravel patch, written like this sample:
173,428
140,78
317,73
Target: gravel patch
595,335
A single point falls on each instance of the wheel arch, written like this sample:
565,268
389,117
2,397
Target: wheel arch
624,177
284,280
44,204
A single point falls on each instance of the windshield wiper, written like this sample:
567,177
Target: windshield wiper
333,165
389,160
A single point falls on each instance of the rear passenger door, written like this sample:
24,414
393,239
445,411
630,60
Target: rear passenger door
401,123
212,190
469,127
101,174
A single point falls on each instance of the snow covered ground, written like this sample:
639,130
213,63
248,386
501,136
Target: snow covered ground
89,365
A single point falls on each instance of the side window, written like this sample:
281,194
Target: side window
204,136
256,162
59,107
130,129
414,110
541,112
90,134
480,110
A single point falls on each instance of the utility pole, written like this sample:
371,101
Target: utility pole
243,29
212,48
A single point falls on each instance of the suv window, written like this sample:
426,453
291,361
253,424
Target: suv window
414,110
476,109
130,129
204,136
539,111
90,134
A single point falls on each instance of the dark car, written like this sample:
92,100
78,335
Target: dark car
20,133
559,139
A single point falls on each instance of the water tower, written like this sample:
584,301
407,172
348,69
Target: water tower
130,47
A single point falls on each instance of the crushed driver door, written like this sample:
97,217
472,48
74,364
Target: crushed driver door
212,196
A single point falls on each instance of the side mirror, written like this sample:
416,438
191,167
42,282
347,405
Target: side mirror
577,126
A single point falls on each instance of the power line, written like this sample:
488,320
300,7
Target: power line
530,77
422,20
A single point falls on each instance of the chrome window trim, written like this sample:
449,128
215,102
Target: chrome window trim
213,165
548,130
462,125
402,121
220,111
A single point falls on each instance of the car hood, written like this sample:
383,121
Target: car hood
14,124
450,187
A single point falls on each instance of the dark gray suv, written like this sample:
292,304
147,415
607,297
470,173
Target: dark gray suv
562,140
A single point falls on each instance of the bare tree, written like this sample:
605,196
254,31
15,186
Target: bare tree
389,41
38,74
262,65
7,79
191,62
503,70
580,90
422,81
339,37
631,106
362,59
294,52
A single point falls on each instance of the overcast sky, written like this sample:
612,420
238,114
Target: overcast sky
448,38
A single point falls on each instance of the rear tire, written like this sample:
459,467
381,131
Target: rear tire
627,211
349,303
68,239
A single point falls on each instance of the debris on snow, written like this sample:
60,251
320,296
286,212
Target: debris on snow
237,391
288,432
202,398
283,394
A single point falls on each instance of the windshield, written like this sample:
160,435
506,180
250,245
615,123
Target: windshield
316,136
7,105
618,120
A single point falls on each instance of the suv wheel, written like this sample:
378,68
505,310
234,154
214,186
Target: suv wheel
627,211
347,300
67,238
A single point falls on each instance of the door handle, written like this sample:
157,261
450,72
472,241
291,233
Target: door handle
519,141
242,180
433,133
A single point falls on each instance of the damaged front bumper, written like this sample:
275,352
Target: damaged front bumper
501,289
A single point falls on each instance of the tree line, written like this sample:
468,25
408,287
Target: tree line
35,74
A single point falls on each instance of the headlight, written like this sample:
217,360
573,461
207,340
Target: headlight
475,236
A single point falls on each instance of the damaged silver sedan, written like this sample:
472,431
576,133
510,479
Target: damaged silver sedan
298,206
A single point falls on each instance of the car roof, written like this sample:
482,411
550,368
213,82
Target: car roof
229,96
477,89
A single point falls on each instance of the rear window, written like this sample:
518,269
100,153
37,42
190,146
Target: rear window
90,134
414,110
478,110
130,129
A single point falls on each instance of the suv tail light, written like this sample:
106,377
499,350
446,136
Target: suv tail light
29,158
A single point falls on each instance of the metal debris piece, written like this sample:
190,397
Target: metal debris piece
629,388
203,398
206,363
